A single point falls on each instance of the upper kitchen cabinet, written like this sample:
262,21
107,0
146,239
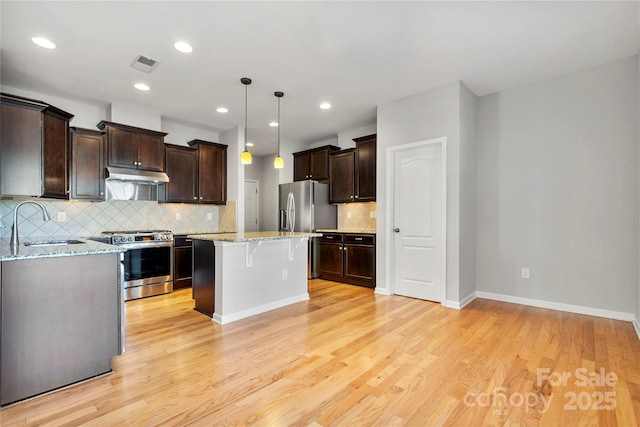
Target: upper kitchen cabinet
365,163
88,152
312,164
182,167
134,148
352,172
34,148
212,171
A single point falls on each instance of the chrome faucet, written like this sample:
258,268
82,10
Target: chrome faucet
15,242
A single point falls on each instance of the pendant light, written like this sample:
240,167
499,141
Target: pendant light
278,162
245,157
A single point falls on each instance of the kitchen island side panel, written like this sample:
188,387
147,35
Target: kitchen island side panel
258,276
204,280
59,322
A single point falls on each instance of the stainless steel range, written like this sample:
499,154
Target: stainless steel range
148,262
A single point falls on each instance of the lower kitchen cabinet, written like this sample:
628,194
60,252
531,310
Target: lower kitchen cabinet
182,262
348,258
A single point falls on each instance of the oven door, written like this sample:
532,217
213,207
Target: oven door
146,264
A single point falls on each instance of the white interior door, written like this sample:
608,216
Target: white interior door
418,222
251,201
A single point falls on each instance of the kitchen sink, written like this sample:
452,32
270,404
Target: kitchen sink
54,242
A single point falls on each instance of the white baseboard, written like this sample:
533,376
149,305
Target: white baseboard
227,318
636,325
381,291
459,305
598,312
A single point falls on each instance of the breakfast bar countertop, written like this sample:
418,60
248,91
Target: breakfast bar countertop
251,236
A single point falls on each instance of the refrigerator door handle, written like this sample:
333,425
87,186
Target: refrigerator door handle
283,219
291,211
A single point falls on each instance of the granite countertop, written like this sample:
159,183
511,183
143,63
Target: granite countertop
87,247
347,230
189,233
251,236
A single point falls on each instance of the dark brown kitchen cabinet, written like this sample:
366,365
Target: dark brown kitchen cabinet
348,258
88,152
365,168
181,165
341,176
182,262
34,148
134,148
212,171
312,164
204,277
352,172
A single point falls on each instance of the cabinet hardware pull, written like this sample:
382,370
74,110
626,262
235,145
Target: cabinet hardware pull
358,238
195,198
396,230
188,240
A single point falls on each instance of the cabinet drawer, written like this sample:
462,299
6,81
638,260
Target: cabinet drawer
331,237
361,239
181,241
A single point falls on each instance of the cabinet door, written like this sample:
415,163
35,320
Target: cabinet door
182,265
212,170
55,156
359,264
122,148
319,165
341,176
366,170
87,165
150,152
20,151
330,261
182,168
300,166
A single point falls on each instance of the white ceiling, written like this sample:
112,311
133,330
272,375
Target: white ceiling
356,55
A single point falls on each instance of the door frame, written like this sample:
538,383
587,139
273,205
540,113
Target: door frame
257,182
390,181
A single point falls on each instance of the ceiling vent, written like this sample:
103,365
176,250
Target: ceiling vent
143,63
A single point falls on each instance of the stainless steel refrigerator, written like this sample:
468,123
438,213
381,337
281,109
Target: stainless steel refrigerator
304,206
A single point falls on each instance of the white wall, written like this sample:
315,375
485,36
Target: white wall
180,134
345,138
468,143
430,114
134,115
234,140
85,115
638,301
558,189
269,195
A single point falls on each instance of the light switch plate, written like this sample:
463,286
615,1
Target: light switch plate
62,216
178,217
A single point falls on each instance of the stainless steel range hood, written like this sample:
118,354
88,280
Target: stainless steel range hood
135,175
133,184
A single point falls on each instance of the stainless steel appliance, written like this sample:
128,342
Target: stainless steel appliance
304,206
148,262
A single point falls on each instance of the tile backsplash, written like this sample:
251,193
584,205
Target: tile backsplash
357,216
85,219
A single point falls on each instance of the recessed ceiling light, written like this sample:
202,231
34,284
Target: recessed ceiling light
183,47
43,42
249,144
222,110
273,124
325,106
141,86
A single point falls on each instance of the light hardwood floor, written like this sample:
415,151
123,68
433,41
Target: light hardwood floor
349,357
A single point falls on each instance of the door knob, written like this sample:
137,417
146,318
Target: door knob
396,230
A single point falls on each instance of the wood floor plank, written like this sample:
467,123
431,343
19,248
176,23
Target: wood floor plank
350,357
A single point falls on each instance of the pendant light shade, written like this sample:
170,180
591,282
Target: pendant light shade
245,157
278,162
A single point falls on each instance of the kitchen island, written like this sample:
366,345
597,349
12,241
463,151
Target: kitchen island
61,314
237,275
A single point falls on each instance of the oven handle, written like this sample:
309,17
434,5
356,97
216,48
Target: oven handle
145,245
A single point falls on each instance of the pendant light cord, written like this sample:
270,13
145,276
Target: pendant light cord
278,126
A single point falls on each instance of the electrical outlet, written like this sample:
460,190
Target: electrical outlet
526,273
285,274
178,217
209,216
372,214
62,216
348,214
